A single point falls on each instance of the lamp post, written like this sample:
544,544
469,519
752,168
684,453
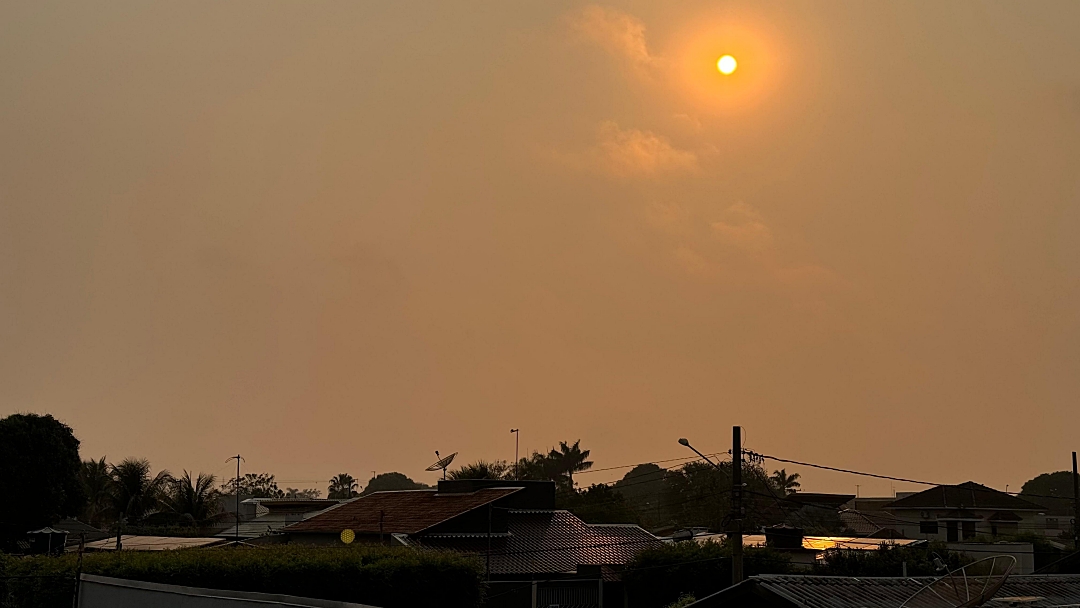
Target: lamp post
517,443
736,500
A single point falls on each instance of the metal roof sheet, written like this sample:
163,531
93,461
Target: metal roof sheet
804,591
402,511
131,542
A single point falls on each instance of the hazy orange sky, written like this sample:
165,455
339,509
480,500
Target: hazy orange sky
336,236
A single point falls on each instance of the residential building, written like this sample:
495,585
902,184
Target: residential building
527,545
955,513
267,517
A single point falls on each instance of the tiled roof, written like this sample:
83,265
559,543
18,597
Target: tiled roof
403,511
874,592
550,542
968,495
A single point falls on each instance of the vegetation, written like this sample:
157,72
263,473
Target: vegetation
786,483
392,481
658,577
889,560
39,474
342,485
1051,490
379,576
482,469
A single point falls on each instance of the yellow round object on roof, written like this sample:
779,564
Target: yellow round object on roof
347,536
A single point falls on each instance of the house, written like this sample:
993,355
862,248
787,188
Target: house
962,512
267,517
531,550
792,591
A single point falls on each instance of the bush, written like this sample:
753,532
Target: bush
888,560
659,577
380,576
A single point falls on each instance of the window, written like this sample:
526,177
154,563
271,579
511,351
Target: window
968,529
927,527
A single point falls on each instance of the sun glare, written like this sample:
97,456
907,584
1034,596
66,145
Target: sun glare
726,64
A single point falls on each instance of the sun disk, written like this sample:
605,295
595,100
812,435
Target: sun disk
726,64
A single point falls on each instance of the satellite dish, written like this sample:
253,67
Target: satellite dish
442,463
967,587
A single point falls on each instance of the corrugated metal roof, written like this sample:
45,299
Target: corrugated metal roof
548,542
1038,591
131,542
403,511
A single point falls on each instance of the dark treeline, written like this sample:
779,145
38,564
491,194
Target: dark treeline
696,494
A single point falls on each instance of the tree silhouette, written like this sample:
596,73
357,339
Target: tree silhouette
97,482
196,496
39,473
571,459
342,485
135,492
392,481
788,484
482,469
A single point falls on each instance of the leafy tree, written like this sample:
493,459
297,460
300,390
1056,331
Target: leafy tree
306,494
482,469
135,492
39,473
787,483
196,496
699,494
342,486
1051,490
598,504
97,482
557,465
256,485
642,488
392,481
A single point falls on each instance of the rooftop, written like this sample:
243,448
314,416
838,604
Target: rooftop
781,590
968,495
402,511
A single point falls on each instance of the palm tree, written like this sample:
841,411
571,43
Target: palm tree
571,459
196,497
135,492
788,484
342,486
482,469
97,484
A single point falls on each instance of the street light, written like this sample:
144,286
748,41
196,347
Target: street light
736,499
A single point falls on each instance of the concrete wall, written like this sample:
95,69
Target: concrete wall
105,592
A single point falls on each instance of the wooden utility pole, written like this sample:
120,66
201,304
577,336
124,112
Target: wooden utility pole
736,506
236,537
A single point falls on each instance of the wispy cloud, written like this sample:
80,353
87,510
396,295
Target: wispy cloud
743,227
620,34
628,152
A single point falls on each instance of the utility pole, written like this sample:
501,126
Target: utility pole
736,506
517,443
238,458
1076,506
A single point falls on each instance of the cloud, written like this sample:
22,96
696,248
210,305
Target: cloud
629,152
620,34
744,228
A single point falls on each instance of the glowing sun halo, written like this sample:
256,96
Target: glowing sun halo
726,64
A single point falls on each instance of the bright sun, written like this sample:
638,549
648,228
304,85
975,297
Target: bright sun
726,64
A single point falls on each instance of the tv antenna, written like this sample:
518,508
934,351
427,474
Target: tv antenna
967,587
441,463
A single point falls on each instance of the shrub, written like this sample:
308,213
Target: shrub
379,576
